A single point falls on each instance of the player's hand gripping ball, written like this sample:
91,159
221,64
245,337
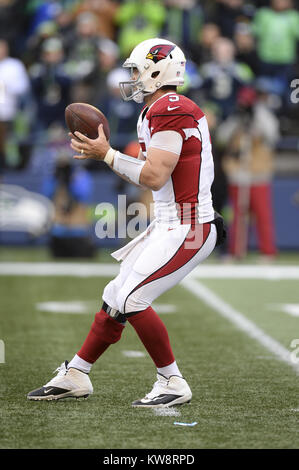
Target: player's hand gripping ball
89,128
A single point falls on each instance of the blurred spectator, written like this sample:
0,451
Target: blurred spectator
138,20
228,12
108,54
105,11
245,46
223,76
183,23
42,12
277,32
202,52
14,84
51,85
248,139
12,23
64,21
70,189
122,115
82,56
81,46
35,42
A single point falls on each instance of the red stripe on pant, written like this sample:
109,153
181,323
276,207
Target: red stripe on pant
193,242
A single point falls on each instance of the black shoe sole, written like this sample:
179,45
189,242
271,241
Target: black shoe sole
54,398
161,405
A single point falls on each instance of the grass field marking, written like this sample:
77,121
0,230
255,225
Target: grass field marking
66,307
78,307
232,271
2,352
164,308
239,320
294,357
289,309
59,269
133,354
273,273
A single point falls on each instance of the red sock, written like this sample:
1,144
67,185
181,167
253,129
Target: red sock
104,331
152,332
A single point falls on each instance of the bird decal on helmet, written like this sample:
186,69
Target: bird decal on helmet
159,52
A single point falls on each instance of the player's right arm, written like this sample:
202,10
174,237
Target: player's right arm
151,173
158,168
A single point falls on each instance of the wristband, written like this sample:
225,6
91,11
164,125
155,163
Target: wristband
109,156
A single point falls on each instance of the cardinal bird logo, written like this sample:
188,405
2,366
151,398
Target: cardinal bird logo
159,52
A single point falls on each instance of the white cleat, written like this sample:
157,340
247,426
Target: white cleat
165,393
68,383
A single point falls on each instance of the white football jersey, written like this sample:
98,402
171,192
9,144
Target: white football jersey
186,196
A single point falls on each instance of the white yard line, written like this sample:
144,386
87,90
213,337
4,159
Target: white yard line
133,354
239,320
67,306
164,308
59,269
87,307
246,271
289,309
75,269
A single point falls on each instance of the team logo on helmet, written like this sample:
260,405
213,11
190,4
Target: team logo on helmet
159,52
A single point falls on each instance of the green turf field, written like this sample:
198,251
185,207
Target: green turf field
243,395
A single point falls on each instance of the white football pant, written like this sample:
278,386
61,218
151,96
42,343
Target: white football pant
155,261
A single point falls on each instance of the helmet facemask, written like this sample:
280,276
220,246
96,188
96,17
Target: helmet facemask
133,89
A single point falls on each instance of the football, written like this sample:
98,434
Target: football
86,119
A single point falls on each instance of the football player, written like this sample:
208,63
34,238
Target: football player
176,163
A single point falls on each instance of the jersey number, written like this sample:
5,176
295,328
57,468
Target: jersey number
173,98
